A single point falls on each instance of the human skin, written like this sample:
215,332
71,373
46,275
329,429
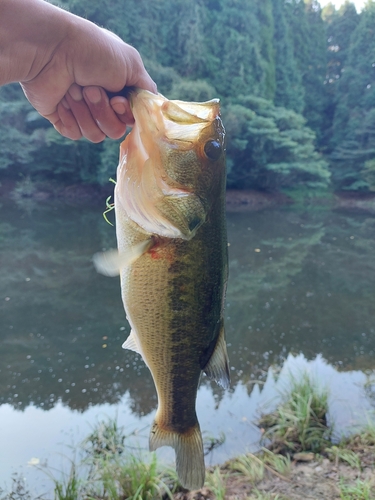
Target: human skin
64,63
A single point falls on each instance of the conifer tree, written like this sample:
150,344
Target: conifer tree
354,120
340,25
289,90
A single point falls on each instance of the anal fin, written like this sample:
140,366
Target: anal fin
132,343
217,367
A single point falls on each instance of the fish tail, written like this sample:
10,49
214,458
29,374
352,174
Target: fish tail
189,453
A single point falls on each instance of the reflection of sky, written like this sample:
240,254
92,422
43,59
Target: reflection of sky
359,4
300,282
51,435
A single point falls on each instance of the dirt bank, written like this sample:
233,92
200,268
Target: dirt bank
237,200
315,478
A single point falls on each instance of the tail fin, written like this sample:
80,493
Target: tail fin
189,453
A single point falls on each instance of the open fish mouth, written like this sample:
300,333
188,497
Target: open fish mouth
148,190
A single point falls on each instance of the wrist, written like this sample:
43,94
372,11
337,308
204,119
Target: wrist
30,31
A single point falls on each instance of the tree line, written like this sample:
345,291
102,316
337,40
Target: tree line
296,83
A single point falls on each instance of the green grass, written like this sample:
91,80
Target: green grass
131,478
300,422
69,488
106,439
110,469
216,482
262,495
361,490
248,466
279,463
343,455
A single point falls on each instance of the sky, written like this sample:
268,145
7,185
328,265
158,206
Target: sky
358,3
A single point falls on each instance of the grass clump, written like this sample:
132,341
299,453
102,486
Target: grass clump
361,490
248,466
111,470
279,463
344,455
69,488
262,495
300,422
216,482
131,479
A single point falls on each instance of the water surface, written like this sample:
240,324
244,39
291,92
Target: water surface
301,296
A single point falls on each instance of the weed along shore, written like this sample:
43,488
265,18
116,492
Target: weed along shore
297,459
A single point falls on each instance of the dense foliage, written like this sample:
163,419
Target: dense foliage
297,85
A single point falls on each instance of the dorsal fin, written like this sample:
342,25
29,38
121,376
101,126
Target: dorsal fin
217,367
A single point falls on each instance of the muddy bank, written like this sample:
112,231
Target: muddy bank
236,200
317,479
355,201
250,200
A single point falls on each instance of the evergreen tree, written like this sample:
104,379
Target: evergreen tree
354,120
289,89
235,42
307,33
270,147
17,142
340,25
314,72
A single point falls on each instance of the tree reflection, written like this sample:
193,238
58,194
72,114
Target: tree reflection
299,282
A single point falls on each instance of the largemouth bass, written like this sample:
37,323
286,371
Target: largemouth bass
172,249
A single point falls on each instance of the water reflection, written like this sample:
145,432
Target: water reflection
299,283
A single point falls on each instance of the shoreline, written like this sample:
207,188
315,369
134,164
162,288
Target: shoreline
236,200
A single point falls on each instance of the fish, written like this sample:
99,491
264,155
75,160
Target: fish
172,259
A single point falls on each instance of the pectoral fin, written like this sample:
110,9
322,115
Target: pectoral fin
217,367
111,262
185,211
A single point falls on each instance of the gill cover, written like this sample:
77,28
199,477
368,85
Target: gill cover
150,197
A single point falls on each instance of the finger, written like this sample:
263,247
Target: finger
137,75
121,107
106,118
78,106
64,122
145,82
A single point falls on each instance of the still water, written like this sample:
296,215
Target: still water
301,296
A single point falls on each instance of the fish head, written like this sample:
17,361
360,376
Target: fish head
172,164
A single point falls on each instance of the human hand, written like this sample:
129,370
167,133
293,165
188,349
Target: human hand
65,65
85,110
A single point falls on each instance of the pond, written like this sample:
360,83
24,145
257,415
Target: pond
301,296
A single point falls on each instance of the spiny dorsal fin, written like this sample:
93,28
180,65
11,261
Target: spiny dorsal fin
217,367
111,262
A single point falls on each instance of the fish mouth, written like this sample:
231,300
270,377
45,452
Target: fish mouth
175,120
156,199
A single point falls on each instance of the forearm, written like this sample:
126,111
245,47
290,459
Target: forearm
30,31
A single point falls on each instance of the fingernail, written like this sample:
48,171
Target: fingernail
75,92
93,94
119,108
64,102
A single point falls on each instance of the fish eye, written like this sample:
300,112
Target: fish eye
212,150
